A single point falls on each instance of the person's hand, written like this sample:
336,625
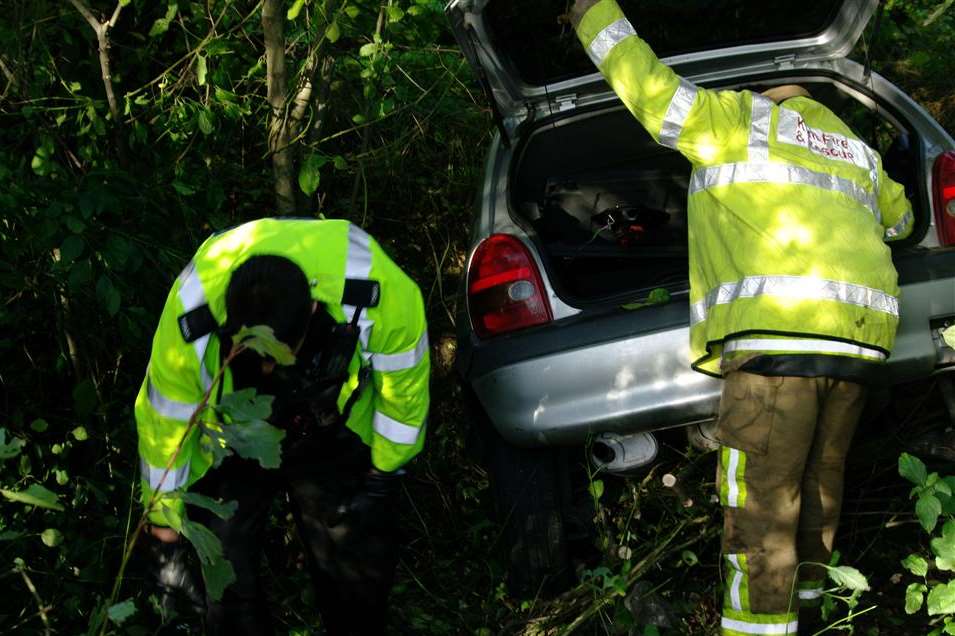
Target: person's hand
577,12
164,534
372,504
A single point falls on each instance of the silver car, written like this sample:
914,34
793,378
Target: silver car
576,333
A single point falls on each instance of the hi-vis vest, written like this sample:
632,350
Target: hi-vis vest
788,210
391,412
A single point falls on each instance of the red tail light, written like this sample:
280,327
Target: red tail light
505,290
943,187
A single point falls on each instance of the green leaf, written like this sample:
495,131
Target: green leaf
222,509
916,565
339,162
204,120
107,295
367,50
256,440
125,2
941,600
43,163
8,451
71,248
161,25
333,32
596,489
949,626
395,13
35,495
927,509
183,188
912,468
245,405
10,535
39,425
216,570
262,340
295,9
309,175
201,69
944,547
914,597
848,577
62,477
80,434
51,537
352,11
121,611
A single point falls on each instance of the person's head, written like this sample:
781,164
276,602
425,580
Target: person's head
779,94
273,291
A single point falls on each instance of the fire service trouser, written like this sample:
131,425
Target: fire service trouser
352,562
784,442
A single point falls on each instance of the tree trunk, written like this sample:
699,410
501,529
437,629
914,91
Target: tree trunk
280,137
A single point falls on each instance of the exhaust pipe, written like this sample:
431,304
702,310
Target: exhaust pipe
622,453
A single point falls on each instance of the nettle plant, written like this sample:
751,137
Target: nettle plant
934,504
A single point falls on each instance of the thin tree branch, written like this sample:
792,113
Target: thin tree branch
273,28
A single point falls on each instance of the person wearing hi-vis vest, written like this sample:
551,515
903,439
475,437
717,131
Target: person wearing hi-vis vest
793,301
353,407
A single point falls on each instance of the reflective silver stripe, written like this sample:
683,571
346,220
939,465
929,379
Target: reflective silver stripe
735,599
169,408
783,174
608,38
759,128
791,627
899,227
395,431
802,287
732,491
358,265
403,360
809,595
809,345
677,112
191,295
175,478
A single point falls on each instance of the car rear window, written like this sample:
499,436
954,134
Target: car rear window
543,50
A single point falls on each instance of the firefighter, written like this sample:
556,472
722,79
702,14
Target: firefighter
793,301
353,408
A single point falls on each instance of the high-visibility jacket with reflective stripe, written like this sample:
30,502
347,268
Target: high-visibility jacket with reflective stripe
389,416
788,209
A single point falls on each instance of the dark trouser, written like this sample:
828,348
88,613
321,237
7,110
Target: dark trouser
784,444
352,567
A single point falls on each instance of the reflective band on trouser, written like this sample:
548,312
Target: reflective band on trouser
737,582
734,626
395,431
191,295
677,112
400,361
780,174
167,407
899,227
759,130
807,345
801,287
358,265
175,478
608,38
732,482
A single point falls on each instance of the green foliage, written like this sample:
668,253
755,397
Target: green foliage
34,495
261,339
933,496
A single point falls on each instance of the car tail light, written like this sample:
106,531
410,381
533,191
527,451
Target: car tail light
505,290
943,182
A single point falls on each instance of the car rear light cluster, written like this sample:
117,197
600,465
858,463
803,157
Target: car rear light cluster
505,290
943,189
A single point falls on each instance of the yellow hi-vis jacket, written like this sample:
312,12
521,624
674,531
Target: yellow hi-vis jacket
389,416
788,210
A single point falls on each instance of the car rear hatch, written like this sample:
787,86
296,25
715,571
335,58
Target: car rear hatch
527,56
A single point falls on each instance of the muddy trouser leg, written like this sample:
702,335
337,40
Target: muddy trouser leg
353,565
822,483
243,608
766,429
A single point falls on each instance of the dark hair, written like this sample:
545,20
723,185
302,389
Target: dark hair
269,290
